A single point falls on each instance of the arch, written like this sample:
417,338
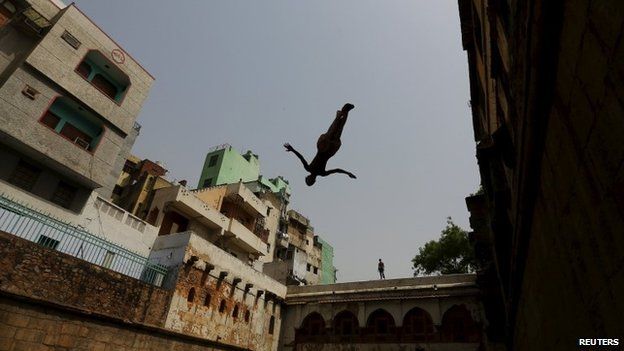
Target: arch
207,299
345,323
313,324
247,316
191,295
458,325
380,322
418,325
222,306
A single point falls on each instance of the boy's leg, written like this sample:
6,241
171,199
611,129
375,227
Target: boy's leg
335,130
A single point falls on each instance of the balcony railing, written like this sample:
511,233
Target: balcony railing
22,221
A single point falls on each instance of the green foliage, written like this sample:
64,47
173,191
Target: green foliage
451,254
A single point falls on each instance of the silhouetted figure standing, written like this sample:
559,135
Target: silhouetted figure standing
326,146
381,268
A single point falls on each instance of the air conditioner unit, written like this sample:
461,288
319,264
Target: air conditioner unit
82,143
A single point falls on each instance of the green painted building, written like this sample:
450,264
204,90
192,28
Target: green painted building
225,165
328,271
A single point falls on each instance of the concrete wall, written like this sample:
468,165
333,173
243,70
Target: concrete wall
231,167
21,130
98,217
54,58
328,271
212,196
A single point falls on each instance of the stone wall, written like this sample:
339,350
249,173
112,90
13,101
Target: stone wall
574,274
52,301
548,226
32,271
26,325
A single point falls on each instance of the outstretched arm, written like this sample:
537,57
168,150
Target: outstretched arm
289,148
338,170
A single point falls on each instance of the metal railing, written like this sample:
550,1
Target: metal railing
22,221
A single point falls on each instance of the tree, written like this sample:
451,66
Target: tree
451,254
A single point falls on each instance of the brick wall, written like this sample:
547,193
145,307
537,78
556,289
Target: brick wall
52,301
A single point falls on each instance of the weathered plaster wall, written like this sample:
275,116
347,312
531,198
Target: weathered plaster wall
204,300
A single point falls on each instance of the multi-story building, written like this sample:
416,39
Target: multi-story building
546,85
297,257
69,98
225,165
328,271
136,184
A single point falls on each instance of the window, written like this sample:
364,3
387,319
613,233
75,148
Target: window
64,194
25,175
129,166
247,316
104,85
117,190
74,123
380,322
313,324
345,323
235,312
213,160
104,75
8,5
418,325
222,306
308,267
315,270
207,300
153,216
207,182
107,262
271,325
84,70
191,295
458,325
74,134
50,119
48,242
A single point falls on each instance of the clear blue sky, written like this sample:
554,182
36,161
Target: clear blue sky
257,74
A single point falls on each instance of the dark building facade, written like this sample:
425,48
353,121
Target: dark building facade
547,99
